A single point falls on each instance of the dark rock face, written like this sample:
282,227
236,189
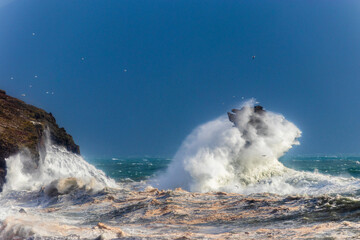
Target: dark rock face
255,120
23,126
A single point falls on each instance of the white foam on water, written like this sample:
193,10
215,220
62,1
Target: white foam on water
55,163
218,156
36,227
58,172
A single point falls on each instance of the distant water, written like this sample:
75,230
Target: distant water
130,168
334,165
226,181
143,168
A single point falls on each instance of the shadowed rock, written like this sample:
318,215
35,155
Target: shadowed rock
235,113
22,126
255,120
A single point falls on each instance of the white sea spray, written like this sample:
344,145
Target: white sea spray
244,158
55,163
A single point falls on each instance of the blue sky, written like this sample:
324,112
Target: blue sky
135,77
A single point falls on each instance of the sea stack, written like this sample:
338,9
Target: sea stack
236,113
22,126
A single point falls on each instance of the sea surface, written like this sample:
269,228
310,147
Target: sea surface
124,169
144,168
227,180
131,208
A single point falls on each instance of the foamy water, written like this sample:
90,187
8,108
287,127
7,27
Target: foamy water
65,197
33,186
56,163
218,156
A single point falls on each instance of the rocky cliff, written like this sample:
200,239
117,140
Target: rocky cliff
22,126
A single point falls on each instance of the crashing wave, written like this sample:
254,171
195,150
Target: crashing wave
220,155
241,155
55,167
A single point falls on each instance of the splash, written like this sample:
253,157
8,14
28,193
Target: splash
55,166
220,155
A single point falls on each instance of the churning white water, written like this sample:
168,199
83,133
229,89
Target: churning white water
31,186
57,166
239,156
219,156
243,157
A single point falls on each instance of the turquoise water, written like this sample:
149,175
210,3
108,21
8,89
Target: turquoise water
131,168
290,201
142,168
343,165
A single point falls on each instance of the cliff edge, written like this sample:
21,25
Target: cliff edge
22,126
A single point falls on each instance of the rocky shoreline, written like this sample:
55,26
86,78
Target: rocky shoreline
22,128
177,214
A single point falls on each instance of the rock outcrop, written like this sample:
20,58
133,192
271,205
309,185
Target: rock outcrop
236,113
22,126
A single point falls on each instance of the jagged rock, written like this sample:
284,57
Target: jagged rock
22,211
22,126
233,115
101,237
255,120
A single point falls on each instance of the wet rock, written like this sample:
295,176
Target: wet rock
255,120
101,237
182,238
118,231
22,126
22,211
221,193
233,115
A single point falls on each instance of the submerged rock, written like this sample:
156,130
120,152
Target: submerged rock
22,126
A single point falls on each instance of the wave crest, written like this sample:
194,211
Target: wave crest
218,156
55,163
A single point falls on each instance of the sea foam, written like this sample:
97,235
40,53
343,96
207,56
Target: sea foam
219,156
243,157
55,164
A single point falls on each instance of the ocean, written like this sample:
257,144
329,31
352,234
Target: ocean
124,169
226,181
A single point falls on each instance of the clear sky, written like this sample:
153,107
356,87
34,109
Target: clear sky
135,77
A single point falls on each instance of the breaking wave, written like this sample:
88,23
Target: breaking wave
59,178
57,168
243,157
